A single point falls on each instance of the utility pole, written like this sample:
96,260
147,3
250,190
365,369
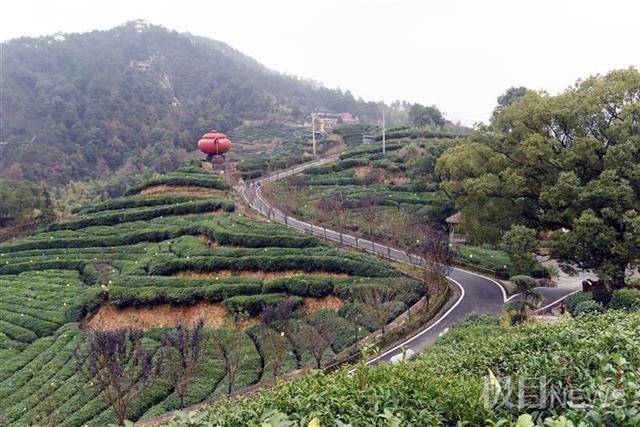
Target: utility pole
384,139
313,132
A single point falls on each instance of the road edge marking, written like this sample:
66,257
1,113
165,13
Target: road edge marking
427,329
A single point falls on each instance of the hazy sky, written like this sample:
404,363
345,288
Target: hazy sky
457,54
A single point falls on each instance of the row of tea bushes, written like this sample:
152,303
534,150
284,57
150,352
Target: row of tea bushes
143,213
182,179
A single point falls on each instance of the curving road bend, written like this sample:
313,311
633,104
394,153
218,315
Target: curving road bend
479,294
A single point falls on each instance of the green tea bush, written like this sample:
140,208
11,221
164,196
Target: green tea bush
625,299
182,179
304,286
152,295
587,307
133,202
572,301
139,214
254,304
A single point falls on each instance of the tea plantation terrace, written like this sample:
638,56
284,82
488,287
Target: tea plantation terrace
172,244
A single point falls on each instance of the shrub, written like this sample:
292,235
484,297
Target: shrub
587,307
524,280
625,299
602,295
573,300
254,304
539,271
304,286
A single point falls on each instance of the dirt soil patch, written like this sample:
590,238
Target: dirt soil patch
110,317
181,190
362,171
381,176
399,180
311,304
262,275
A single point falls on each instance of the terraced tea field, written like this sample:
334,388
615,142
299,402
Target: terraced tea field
378,196
172,249
366,191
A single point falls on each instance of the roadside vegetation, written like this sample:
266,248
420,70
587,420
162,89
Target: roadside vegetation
472,375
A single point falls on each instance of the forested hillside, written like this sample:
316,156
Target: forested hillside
80,106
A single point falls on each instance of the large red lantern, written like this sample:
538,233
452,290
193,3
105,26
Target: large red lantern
214,144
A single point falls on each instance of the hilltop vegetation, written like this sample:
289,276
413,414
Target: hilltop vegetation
464,378
174,248
79,106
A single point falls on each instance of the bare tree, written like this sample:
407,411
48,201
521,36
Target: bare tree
274,320
376,302
399,227
277,316
118,365
275,351
316,336
287,199
369,208
355,317
230,353
431,244
182,352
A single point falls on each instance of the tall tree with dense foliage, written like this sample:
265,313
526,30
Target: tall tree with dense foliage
569,164
510,96
520,243
421,116
24,201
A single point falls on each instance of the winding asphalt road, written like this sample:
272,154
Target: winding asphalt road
479,294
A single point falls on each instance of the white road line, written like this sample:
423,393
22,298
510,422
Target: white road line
504,293
424,331
358,242
556,301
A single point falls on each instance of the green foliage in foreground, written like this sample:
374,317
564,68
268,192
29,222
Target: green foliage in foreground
599,356
620,299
